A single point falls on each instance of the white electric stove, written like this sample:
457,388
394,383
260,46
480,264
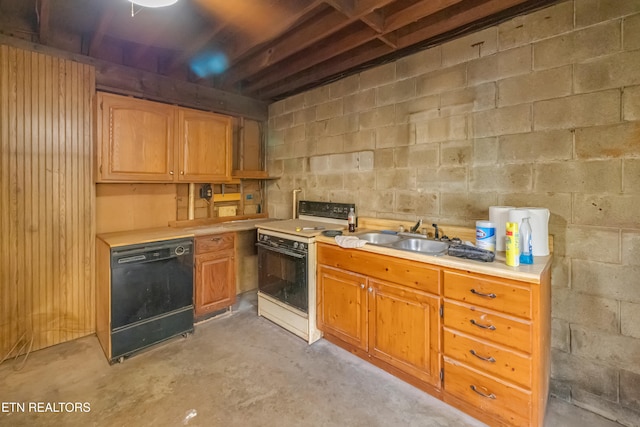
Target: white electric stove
287,265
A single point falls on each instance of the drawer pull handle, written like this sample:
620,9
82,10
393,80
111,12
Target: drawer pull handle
216,239
486,359
480,294
488,396
480,325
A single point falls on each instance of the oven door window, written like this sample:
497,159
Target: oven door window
284,277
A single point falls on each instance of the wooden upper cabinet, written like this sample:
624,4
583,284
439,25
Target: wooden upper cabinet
204,146
135,139
145,141
249,160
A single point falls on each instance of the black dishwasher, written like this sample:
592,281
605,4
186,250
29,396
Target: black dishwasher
151,294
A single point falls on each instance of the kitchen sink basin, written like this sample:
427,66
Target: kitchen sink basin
423,246
405,242
379,238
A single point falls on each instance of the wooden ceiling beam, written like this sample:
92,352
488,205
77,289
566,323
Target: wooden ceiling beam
246,45
433,26
302,37
374,20
358,8
416,11
427,7
365,54
350,41
460,15
108,12
299,39
44,18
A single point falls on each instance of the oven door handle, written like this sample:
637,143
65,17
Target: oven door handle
281,251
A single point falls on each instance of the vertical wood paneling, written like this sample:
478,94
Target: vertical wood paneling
46,199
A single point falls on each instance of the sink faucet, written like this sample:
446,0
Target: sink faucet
437,233
416,227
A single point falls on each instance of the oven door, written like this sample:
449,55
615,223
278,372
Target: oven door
282,274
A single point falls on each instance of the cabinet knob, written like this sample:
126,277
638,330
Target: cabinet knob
361,285
370,289
181,172
170,172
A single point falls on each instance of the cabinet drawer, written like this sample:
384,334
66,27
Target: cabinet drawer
503,296
409,273
214,242
501,362
488,325
490,395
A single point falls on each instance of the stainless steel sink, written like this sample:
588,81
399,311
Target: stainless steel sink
423,246
405,242
379,238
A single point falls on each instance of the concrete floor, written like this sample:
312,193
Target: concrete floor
236,370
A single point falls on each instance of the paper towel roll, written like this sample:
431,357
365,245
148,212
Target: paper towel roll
539,230
516,215
499,215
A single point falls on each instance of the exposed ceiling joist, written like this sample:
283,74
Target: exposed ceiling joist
269,48
362,36
108,13
43,8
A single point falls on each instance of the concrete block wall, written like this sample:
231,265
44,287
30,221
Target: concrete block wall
541,110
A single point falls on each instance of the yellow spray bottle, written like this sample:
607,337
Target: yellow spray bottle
512,244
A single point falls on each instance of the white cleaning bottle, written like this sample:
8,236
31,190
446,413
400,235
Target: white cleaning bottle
526,252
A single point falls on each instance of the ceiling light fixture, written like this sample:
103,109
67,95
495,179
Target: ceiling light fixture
153,3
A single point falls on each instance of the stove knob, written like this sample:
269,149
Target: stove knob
301,246
295,245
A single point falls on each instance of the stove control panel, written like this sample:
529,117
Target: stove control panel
325,209
279,242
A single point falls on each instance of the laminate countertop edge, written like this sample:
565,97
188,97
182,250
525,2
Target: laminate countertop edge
531,273
134,237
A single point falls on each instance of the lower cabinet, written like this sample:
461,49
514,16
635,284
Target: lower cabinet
496,347
215,281
384,315
476,341
343,305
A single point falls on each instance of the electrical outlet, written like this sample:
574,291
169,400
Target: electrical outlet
206,192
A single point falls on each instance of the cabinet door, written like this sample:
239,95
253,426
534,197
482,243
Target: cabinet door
135,139
204,148
342,305
404,329
215,284
249,151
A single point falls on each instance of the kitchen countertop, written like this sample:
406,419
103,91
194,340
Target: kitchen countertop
133,237
525,273
289,226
